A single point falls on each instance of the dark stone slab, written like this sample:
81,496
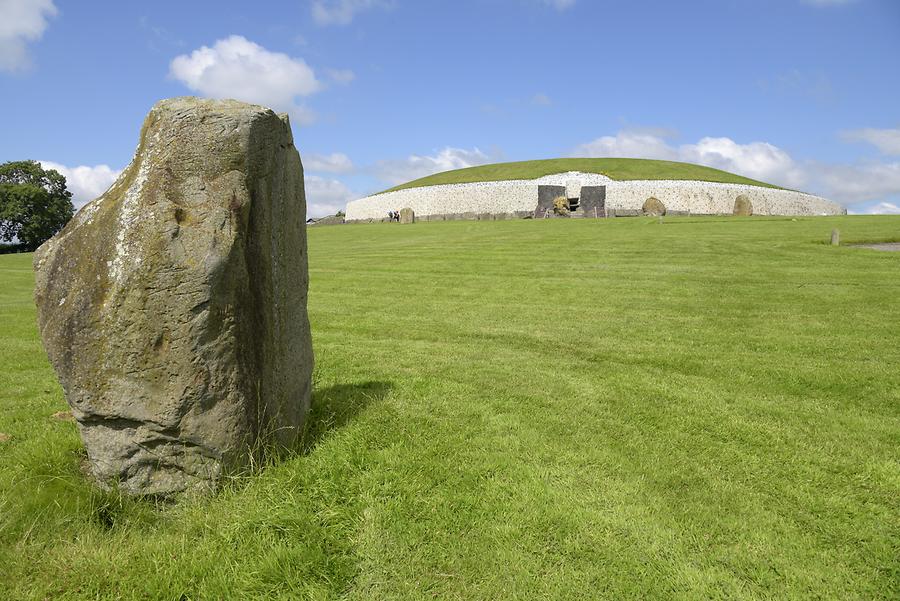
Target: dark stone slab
546,195
593,201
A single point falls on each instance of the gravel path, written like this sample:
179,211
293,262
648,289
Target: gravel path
886,246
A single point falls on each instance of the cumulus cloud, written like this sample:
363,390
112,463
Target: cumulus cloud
628,144
335,162
880,208
757,160
416,166
342,12
84,182
237,68
859,183
326,196
886,140
22,21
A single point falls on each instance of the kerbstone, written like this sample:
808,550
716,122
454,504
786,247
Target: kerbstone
653,207
742,206
173,307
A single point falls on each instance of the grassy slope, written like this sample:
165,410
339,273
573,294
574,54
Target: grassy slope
528,409
619,169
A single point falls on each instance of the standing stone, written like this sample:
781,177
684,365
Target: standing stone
593,201
546,196
742,206
173,307
407,215
835,237
653,207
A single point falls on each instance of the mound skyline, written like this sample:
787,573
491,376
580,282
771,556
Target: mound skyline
594,187
619,169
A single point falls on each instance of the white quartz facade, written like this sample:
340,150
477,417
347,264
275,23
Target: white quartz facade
512,196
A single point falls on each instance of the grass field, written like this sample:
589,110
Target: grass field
560,409
618,169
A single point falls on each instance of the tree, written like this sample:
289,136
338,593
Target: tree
34,203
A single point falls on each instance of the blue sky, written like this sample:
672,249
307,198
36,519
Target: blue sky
803,93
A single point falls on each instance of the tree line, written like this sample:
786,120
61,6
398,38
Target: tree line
34,205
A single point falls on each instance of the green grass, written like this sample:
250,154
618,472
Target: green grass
619,169
561,409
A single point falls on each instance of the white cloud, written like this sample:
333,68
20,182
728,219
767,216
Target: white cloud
757,160
335,162
22,21
886,140
340,76
341,12
326,196
237,68
628,144
859,183
84,182
541,99
415,166
559,4
881,208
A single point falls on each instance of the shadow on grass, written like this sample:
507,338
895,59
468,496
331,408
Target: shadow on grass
335,406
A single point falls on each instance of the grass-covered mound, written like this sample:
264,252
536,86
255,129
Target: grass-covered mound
700,409
618,169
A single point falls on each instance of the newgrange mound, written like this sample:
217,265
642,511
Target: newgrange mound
605,187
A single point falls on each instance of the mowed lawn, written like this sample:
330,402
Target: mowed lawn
584,409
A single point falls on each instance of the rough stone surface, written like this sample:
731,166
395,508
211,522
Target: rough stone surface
653,207
742,206
546,197
593,201
173,307
835,237
561,206
407,215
